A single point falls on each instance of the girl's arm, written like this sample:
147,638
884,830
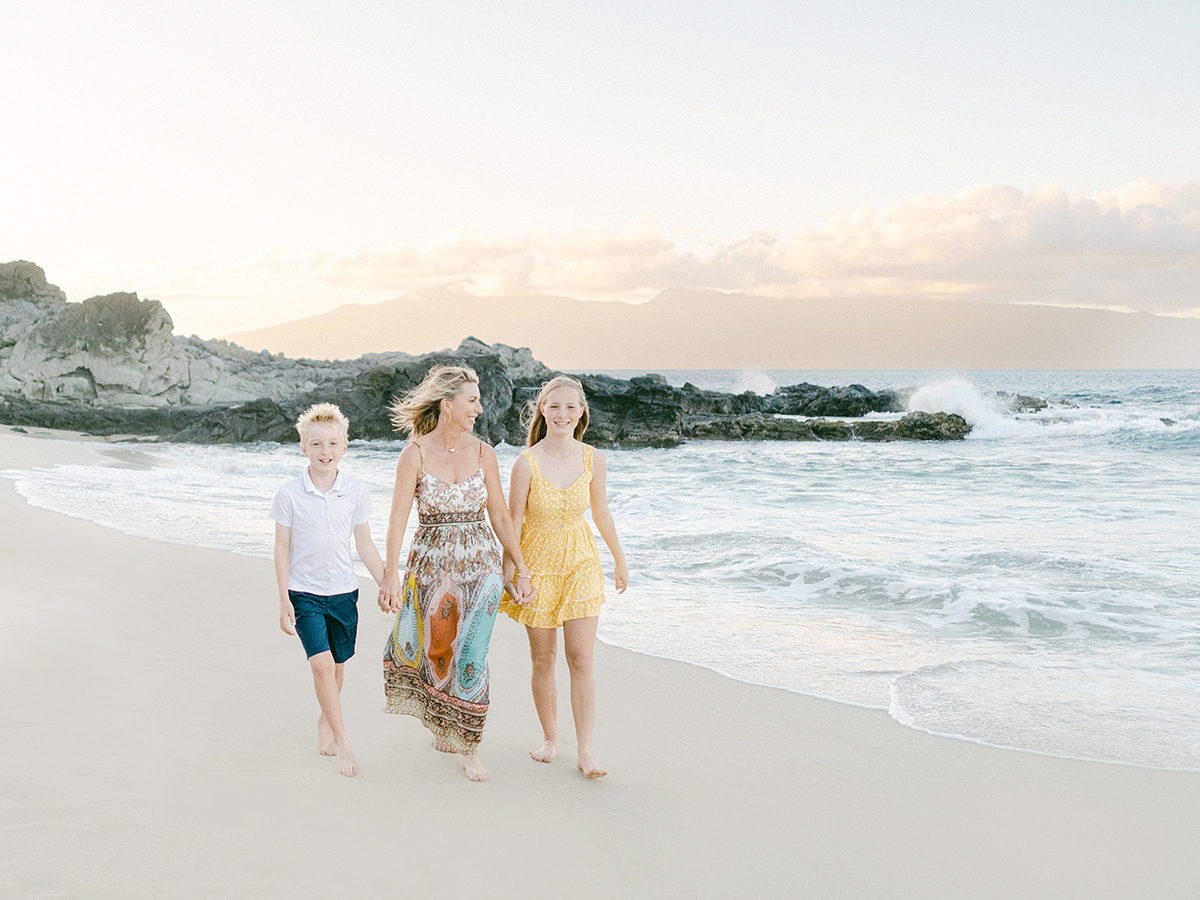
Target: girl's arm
408,469
283,566
502,523
518,496
604,520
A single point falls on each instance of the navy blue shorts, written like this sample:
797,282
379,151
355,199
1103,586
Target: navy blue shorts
326,623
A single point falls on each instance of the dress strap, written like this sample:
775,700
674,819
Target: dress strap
587,461
529,458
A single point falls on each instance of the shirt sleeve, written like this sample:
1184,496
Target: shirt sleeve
362,511
281,508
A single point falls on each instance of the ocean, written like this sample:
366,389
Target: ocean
1035,586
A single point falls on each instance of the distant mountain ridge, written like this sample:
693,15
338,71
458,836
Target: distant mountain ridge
696,329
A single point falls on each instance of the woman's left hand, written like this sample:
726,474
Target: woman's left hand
525,589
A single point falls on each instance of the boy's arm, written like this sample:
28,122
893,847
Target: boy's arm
283,564
367,551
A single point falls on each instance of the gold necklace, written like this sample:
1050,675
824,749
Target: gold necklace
450,449
556,456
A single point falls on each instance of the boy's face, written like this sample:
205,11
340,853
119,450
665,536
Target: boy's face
324,448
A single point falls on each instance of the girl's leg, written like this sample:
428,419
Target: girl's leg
327,679
579,643
543,648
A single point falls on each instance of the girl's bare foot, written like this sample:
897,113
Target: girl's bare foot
473,767
347,764
546,752
443,746
326,745
589,767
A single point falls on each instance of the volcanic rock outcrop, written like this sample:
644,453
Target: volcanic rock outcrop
112,366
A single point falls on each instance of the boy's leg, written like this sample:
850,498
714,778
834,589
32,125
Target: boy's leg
326,742
327,679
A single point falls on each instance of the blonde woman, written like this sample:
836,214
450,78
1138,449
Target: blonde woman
435,662
553,483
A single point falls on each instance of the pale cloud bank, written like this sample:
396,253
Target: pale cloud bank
1136,247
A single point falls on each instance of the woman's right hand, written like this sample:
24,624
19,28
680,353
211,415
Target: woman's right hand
391,592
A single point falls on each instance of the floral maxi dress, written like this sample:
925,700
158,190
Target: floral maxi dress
435,662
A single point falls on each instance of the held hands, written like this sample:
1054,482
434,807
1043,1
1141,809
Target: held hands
391,593
521,589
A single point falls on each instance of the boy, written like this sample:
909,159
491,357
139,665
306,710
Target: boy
315,515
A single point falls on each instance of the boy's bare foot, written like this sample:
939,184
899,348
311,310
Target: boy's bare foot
443,746
326,744
473,767
546,752
589,767
347,764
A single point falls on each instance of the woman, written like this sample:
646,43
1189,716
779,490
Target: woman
552,484
435,663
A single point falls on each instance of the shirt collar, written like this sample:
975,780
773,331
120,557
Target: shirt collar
311,488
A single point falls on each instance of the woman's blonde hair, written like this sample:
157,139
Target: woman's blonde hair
325,414
417,411
537,419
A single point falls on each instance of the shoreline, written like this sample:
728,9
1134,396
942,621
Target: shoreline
113,451
156,726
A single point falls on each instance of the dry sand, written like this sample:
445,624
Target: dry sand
157,741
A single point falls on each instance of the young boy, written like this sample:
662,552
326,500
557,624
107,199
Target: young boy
315,515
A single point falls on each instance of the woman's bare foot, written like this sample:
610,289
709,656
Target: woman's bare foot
347,764
326,744
546,752
443,746
589,767
473,767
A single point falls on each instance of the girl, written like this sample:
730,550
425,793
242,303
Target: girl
552,484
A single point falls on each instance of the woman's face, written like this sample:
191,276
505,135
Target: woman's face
464,406
562,410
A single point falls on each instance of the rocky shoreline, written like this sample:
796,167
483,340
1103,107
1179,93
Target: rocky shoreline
111,365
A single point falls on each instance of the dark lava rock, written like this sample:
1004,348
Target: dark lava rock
851,401
1021,402
923,426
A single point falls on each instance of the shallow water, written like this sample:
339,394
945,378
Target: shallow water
1034,586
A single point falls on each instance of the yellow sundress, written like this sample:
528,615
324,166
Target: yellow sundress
558,546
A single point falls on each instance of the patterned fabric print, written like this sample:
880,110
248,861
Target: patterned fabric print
560,551
435,663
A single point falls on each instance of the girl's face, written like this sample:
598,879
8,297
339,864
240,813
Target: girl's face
464,407
562,410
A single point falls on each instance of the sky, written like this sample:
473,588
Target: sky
248,163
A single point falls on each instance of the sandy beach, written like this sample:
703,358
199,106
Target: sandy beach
157,740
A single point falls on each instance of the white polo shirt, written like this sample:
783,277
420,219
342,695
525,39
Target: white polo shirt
322,526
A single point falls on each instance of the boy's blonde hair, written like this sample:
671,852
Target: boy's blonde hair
537,419
325,414
417,411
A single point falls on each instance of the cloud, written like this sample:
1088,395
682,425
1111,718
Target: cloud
1135,247
634,261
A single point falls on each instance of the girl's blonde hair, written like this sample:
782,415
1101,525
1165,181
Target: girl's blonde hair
537,419
325,414
417,411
